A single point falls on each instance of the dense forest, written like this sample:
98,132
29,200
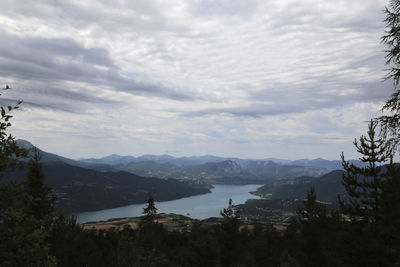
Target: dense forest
363,231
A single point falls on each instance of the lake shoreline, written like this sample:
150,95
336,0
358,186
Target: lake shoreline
141,203
196,207
171,222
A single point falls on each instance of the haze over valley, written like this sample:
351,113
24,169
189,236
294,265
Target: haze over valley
115,181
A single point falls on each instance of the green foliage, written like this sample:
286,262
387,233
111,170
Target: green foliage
10,153
42,198
24,219
392,39
150,211
390,223
319,231
23,240
390,121
364,185
229,237
312,209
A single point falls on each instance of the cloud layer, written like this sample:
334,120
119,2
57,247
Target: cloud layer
245,78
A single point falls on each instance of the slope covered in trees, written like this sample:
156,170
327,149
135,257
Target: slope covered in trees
80,189
328,186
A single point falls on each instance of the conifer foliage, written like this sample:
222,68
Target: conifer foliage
150,211
390,120
364,184
312,209
24,206
42,198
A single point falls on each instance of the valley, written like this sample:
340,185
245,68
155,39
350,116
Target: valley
117,181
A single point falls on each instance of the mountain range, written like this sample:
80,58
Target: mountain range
84,189
211,169
227,171
114,159
112,181
223,170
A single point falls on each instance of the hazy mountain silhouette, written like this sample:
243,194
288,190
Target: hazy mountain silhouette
227,171
50,157
199,160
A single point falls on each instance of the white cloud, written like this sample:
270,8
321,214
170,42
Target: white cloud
243,78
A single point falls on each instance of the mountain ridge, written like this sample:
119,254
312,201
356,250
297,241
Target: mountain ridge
80,189
196,160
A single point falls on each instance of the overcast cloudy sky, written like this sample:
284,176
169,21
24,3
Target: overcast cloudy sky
289,78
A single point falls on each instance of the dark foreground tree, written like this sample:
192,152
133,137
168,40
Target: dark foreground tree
390,224
231,223
43,199
10,153
370,236
364,184
149,211
23,218
390,120
391,38
229,237
320,232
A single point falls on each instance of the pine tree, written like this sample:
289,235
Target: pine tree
319,230
364,184
390,121
229,235
42,198
312,209
390,224
392,39
150,211
23,236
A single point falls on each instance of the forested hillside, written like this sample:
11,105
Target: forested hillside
79,189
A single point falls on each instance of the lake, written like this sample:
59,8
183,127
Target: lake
198,207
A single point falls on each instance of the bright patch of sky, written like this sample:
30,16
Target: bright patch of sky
250,79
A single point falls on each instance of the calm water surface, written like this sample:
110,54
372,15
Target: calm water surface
198,207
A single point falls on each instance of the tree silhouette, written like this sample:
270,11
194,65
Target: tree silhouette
42,198
24,235
229,235
364,185
390,121
10,153
150,211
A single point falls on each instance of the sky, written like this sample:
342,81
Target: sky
244,78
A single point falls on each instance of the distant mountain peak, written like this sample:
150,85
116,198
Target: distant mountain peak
113,156
24,144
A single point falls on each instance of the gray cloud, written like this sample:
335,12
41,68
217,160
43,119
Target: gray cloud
200,75
299,99
240,8
355,16
49,61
